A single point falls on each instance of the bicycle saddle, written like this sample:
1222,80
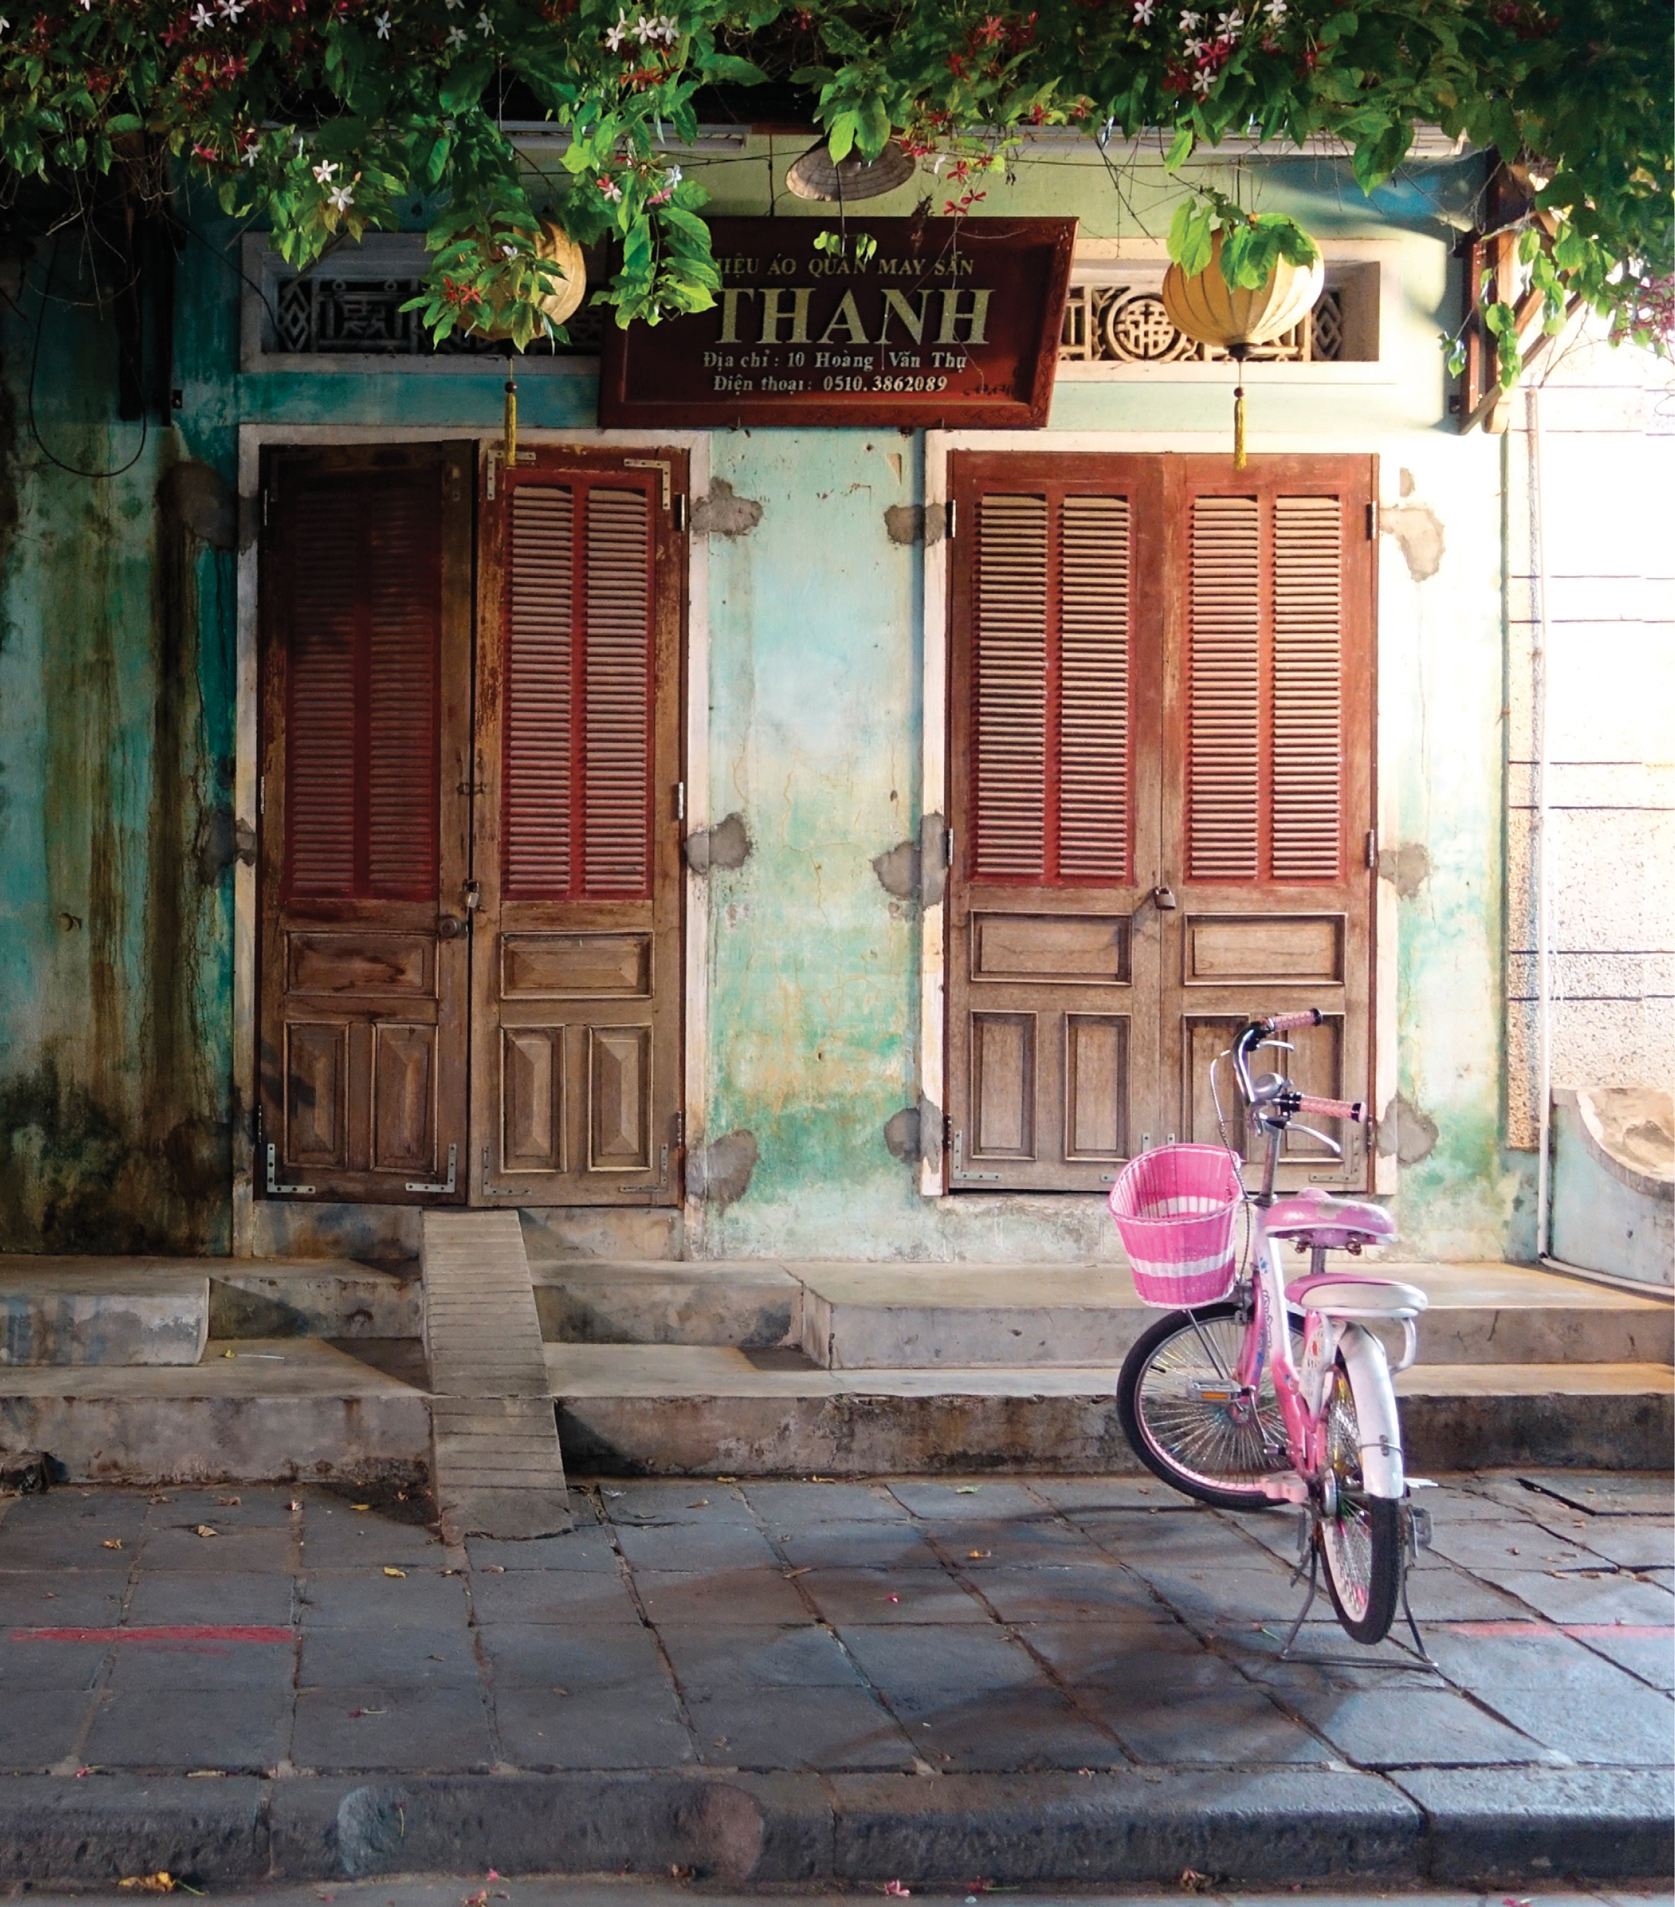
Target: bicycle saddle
1331,1222
1355,1294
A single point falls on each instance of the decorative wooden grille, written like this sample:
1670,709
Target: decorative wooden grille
1127,324
353,316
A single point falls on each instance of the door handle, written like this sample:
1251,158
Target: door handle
450,927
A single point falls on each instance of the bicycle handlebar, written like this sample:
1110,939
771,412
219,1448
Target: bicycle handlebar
1351,1109
1283,1022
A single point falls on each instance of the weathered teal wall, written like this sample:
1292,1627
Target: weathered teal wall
117,638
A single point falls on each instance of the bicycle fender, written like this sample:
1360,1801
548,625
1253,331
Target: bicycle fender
1375,1408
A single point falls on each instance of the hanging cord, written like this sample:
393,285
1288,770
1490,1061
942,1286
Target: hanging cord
92,476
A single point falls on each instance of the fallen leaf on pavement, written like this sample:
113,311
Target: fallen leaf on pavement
204,1774
80,1772
203,1529
113,1542
1193,1882
726,1479
899,1892
161,1499
967,1489
892,1598
162,1882
494,1569
791,1575
561,1691
360,1506
228,1502
699,1503
388,1571
477,1900
355,1714
293,1504
977,1555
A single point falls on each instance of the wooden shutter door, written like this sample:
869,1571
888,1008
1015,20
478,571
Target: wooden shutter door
577,962
366,736
1053,946
1269,779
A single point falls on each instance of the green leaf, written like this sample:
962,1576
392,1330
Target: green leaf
1180,149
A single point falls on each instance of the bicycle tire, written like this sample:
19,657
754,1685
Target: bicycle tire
1360,1546
1155,1415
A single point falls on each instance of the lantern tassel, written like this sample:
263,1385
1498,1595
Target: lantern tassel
511,423
1239,427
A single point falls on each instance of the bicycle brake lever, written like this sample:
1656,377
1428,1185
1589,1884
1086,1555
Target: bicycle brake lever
1331,1145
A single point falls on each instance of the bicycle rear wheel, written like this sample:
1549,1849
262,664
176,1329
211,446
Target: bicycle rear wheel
1187,1421
1361,1543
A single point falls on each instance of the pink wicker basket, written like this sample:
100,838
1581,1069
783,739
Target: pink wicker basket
1175,1207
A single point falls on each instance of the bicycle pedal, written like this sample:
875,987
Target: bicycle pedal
1284,1486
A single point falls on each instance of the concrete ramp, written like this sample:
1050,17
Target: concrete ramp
494,1433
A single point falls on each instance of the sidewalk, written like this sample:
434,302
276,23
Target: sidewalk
1043,1680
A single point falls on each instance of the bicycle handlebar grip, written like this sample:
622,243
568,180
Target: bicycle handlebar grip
1283,1022
1333,1108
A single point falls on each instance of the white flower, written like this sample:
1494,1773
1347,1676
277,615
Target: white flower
251,153
1202,81
1189,21
658,27
231,9
383,26
455,5
1276,12
1196,49
342,197
456,36
5,24
1230,25
325,171
614,36
1143,10
611,189
484,23
87,6
201,16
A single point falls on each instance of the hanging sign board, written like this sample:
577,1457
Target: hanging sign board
951,322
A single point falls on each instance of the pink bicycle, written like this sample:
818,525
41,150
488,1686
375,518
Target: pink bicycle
1254,1391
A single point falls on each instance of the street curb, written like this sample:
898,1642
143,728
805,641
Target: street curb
1131,1825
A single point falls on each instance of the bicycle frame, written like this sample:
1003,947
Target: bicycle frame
1301,1390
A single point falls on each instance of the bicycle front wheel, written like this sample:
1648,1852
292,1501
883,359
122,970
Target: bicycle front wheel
1361,1542
1187,1419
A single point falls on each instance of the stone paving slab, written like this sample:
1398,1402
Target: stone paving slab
1034,1680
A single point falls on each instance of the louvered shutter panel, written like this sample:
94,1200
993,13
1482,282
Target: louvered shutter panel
1009,689
576,768
365,634
1050,690
536,825
1093,689
1308,688
617,763
1224,665
1265,689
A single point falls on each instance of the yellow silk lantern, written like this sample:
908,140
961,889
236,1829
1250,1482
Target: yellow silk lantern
556,247
1207,308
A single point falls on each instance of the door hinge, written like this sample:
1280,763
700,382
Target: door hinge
680,1128
261,795
659,464
493,468
680,800
949,519
275,1189
947,847
1372,848
264,509
447,1185
1372,522
678,514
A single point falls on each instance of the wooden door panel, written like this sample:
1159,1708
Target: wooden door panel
1268,757
365,793
1053,941
577,962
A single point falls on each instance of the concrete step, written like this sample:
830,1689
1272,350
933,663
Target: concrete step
315,1298
255,1410
749,1304
102,1311
959,1317
690,1410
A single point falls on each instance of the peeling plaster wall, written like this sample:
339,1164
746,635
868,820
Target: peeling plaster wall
116,710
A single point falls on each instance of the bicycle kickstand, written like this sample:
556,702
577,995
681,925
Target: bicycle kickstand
1308,1602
